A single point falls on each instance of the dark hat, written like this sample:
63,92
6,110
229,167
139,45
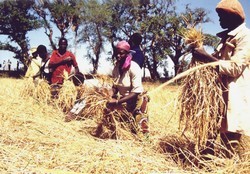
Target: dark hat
63,41
40,49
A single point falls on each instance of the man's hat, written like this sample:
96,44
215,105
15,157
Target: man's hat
231,6
40,49
63,41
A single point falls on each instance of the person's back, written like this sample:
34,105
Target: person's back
34,67
134,42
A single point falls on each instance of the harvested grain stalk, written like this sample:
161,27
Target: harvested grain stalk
110,124
67,94
39,90
200,99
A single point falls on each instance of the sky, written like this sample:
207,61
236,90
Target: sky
38,37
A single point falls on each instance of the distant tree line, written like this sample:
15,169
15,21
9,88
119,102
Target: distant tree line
97,23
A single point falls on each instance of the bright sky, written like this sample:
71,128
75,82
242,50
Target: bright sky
38,37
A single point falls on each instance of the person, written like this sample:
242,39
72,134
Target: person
128,85
38,68
233,54
44,71
135,42
4,65
61,61
9,65
17,65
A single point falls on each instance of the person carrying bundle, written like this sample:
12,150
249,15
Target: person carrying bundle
127,88
233,54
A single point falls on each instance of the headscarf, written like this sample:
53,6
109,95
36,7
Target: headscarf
123,45
231,6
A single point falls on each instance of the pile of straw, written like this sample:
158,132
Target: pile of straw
110,124
66,96
96,99
35,139
201,97
39,90
115,125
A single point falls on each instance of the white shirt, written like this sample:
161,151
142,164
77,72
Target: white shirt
129,81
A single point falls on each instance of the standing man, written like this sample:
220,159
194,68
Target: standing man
9,65
17,65
4,65
233,53
62,60
135,42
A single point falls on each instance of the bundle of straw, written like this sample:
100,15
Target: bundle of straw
115,124
42,91
110,124
29,88
67,94
201,97
39,90
96,99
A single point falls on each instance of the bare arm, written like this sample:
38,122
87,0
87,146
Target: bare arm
56,64
202,55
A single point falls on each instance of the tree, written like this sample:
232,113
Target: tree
64,14
160,26
190,17
94,18
148,18
17,20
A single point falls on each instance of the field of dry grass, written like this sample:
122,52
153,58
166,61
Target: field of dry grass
35,139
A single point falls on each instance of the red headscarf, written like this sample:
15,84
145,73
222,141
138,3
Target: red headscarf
125,46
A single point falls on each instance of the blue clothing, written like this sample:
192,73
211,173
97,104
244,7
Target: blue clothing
138,56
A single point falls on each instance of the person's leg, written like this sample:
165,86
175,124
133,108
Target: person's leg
231,142
209,147
140,116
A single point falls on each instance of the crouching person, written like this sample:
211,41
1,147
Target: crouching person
128,91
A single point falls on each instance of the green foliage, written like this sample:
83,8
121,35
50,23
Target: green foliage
16,20
96,23
64,14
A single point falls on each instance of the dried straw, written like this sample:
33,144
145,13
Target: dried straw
201,99
66,96
39,90
35,139
110,124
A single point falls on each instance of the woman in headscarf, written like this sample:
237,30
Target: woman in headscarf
127,88
233,53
